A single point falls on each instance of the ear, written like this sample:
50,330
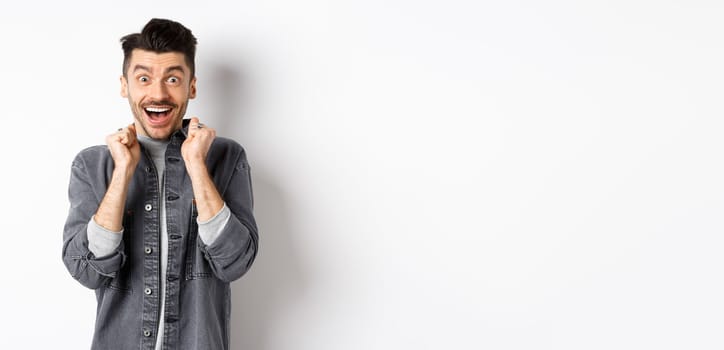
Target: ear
192,88
124,87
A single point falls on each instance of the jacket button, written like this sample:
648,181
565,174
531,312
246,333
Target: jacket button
148,207
146,333
148,250
147,291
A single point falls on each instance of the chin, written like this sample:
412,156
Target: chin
158,132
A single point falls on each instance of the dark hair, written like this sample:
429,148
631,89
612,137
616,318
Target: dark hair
161,35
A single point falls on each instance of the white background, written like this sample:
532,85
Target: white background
428,175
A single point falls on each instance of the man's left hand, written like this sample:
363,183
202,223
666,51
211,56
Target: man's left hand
194,150
197,143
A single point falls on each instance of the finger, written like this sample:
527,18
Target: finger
123,135
126,136
194,126
120,136
131,134
194,123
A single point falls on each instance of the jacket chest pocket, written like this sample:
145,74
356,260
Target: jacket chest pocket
196,264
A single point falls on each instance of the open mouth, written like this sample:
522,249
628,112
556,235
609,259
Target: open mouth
158,115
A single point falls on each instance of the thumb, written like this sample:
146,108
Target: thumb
193,127
132,130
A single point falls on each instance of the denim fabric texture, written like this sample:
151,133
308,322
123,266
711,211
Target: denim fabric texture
126,283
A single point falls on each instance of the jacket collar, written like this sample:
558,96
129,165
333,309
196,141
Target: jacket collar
184,131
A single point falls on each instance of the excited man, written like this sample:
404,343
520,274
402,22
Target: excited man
160,218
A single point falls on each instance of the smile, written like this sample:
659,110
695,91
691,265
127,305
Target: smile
158,115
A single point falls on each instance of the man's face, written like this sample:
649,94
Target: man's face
158,87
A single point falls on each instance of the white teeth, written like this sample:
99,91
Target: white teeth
157,109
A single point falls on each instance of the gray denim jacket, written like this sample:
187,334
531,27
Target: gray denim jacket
127,283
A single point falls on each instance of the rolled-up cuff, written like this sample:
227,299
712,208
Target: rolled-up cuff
210,229
102,242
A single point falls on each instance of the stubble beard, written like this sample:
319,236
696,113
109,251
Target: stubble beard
140,120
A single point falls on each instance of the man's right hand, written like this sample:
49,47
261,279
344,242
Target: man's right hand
125,149
126,153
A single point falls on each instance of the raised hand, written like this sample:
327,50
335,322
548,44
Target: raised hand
125,150
194,151
197,143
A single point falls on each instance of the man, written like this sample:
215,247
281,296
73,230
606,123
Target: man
160,218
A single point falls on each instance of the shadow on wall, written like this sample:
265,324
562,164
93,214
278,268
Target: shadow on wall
276,280
274,283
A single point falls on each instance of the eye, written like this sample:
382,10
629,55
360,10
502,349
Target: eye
173,80
144,79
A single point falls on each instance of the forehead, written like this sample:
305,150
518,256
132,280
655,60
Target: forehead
157,62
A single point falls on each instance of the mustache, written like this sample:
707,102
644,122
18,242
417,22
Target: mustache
159,103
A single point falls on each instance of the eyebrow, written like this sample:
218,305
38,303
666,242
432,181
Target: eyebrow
174,68
168,70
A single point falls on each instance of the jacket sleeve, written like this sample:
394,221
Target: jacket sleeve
85,194
232,253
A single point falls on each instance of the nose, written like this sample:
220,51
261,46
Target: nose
158,91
